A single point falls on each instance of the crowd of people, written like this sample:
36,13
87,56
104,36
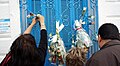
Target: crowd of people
24,52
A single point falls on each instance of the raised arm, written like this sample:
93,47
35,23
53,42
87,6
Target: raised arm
43,40
28,30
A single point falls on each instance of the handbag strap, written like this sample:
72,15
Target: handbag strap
6,59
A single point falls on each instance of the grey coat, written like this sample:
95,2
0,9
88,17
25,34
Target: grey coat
108,55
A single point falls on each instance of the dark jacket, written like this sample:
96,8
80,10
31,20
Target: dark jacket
108,55
43,47
41,50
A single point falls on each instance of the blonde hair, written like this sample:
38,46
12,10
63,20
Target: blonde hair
75,57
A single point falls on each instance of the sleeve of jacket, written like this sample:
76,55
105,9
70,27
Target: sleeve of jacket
43,45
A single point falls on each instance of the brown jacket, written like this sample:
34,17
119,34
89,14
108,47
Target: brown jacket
108,55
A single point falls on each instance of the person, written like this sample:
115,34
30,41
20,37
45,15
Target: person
75,57
24,51
109,43
119,36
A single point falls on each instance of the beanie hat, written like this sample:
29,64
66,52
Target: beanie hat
108,31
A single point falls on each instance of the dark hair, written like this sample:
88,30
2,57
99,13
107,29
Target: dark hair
23,51
75,57
108,31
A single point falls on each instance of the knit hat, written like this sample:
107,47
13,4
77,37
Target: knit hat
108,31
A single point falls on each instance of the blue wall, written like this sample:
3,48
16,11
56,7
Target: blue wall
65,11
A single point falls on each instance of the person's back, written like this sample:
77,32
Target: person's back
109,55
24,51
109,43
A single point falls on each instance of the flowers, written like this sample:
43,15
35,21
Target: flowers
56,49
